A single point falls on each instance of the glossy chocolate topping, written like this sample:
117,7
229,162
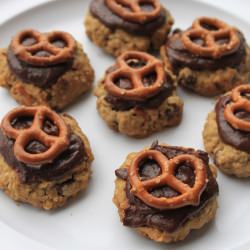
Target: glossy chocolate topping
236,138
99,9
179,57
40,76
119,104
63,164
139,214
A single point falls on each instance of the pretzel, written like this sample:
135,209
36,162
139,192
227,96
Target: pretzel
55,144
211,47
135,75
188,195
43,42
132,11
238,103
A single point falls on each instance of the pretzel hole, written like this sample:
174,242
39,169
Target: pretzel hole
50,128
28,41
22,122
164,191
245,95
242,114
146,7
123,83
208,26
35,147
198,40
149,79
42,53
222,40
59,43
185,173
135,63
148,169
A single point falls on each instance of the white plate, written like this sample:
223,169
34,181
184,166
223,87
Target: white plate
92,222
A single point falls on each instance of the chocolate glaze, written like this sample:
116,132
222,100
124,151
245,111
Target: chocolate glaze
99,9
236,138
180,57
138,214
40,76
119,104
64,163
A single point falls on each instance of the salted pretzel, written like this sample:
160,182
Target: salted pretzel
43,42
132,11
210,48
55,144
135,75
188,195
238,103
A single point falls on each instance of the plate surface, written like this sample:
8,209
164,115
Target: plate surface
92,222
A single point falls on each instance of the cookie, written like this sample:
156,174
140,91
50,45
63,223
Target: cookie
45,69
111,27
136,97
44,157
209,58
164,192
227,131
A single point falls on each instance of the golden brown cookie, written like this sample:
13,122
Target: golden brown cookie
115,34
44,183
43,79
140,196
141,103
228,145
207,70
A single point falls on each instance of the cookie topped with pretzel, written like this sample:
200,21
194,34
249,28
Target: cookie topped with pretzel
163,188
233,117
209,58
135,76
54,142
44,157
216,38
43,49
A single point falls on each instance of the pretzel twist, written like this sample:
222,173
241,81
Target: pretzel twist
211,48
135,75
238,103
43,42
188,195
132,11
55,144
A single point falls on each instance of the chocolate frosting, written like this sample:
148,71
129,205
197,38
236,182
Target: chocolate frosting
180,57
100,10
138,214
119,104
40,76
64,163
236,138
